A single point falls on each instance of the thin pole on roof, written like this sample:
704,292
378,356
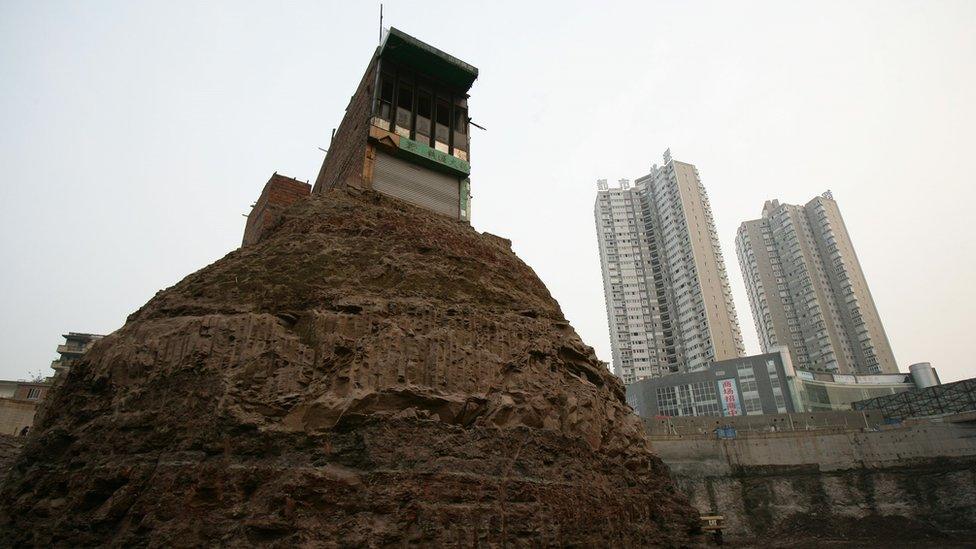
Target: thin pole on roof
381,22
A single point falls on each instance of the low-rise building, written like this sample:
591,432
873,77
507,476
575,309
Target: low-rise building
739,386
760,384
405,133
821,392
18,404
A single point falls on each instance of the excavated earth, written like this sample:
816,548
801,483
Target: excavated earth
10,447
369,374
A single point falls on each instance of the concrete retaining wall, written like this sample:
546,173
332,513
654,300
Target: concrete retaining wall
918,478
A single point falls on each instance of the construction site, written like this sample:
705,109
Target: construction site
368,370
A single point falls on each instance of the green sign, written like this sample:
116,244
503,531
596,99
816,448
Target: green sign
433,155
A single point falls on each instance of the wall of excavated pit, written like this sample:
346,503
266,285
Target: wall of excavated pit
769,502
760,482
829,449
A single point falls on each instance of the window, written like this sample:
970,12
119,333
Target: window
404,116
418,109
385,100
442,127
424,112
460,128
33,393
667,401
780,404
753,406
695,399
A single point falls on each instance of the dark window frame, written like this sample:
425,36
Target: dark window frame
437,90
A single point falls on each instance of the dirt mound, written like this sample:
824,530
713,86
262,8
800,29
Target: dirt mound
369,374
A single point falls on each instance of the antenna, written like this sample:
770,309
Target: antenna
381,22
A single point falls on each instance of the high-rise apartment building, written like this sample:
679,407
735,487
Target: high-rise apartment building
669,305
808,292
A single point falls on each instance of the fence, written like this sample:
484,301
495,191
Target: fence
951,398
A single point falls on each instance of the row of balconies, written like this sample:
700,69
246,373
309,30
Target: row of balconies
71,349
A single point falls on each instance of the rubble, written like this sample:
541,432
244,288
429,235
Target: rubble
367,374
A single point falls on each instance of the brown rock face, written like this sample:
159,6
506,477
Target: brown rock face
367,375
10,447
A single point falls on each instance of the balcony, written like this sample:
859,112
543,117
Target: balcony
70,350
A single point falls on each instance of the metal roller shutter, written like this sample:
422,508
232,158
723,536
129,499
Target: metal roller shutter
419,186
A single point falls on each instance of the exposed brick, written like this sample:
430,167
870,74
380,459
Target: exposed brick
279,193
347,151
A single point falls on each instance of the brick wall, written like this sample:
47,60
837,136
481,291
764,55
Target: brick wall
26,390
345,160
279,193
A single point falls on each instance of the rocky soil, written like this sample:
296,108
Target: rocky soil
369,374
10,446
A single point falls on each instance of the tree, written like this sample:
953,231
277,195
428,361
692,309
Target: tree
36,377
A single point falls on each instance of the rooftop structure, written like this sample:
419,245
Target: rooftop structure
939,400
279,193
405,131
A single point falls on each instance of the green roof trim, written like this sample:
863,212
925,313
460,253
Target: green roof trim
428,156
407,50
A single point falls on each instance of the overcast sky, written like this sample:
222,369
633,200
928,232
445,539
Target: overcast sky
135,134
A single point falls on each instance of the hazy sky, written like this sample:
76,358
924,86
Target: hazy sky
135,134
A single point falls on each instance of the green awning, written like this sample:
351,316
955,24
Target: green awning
408,51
